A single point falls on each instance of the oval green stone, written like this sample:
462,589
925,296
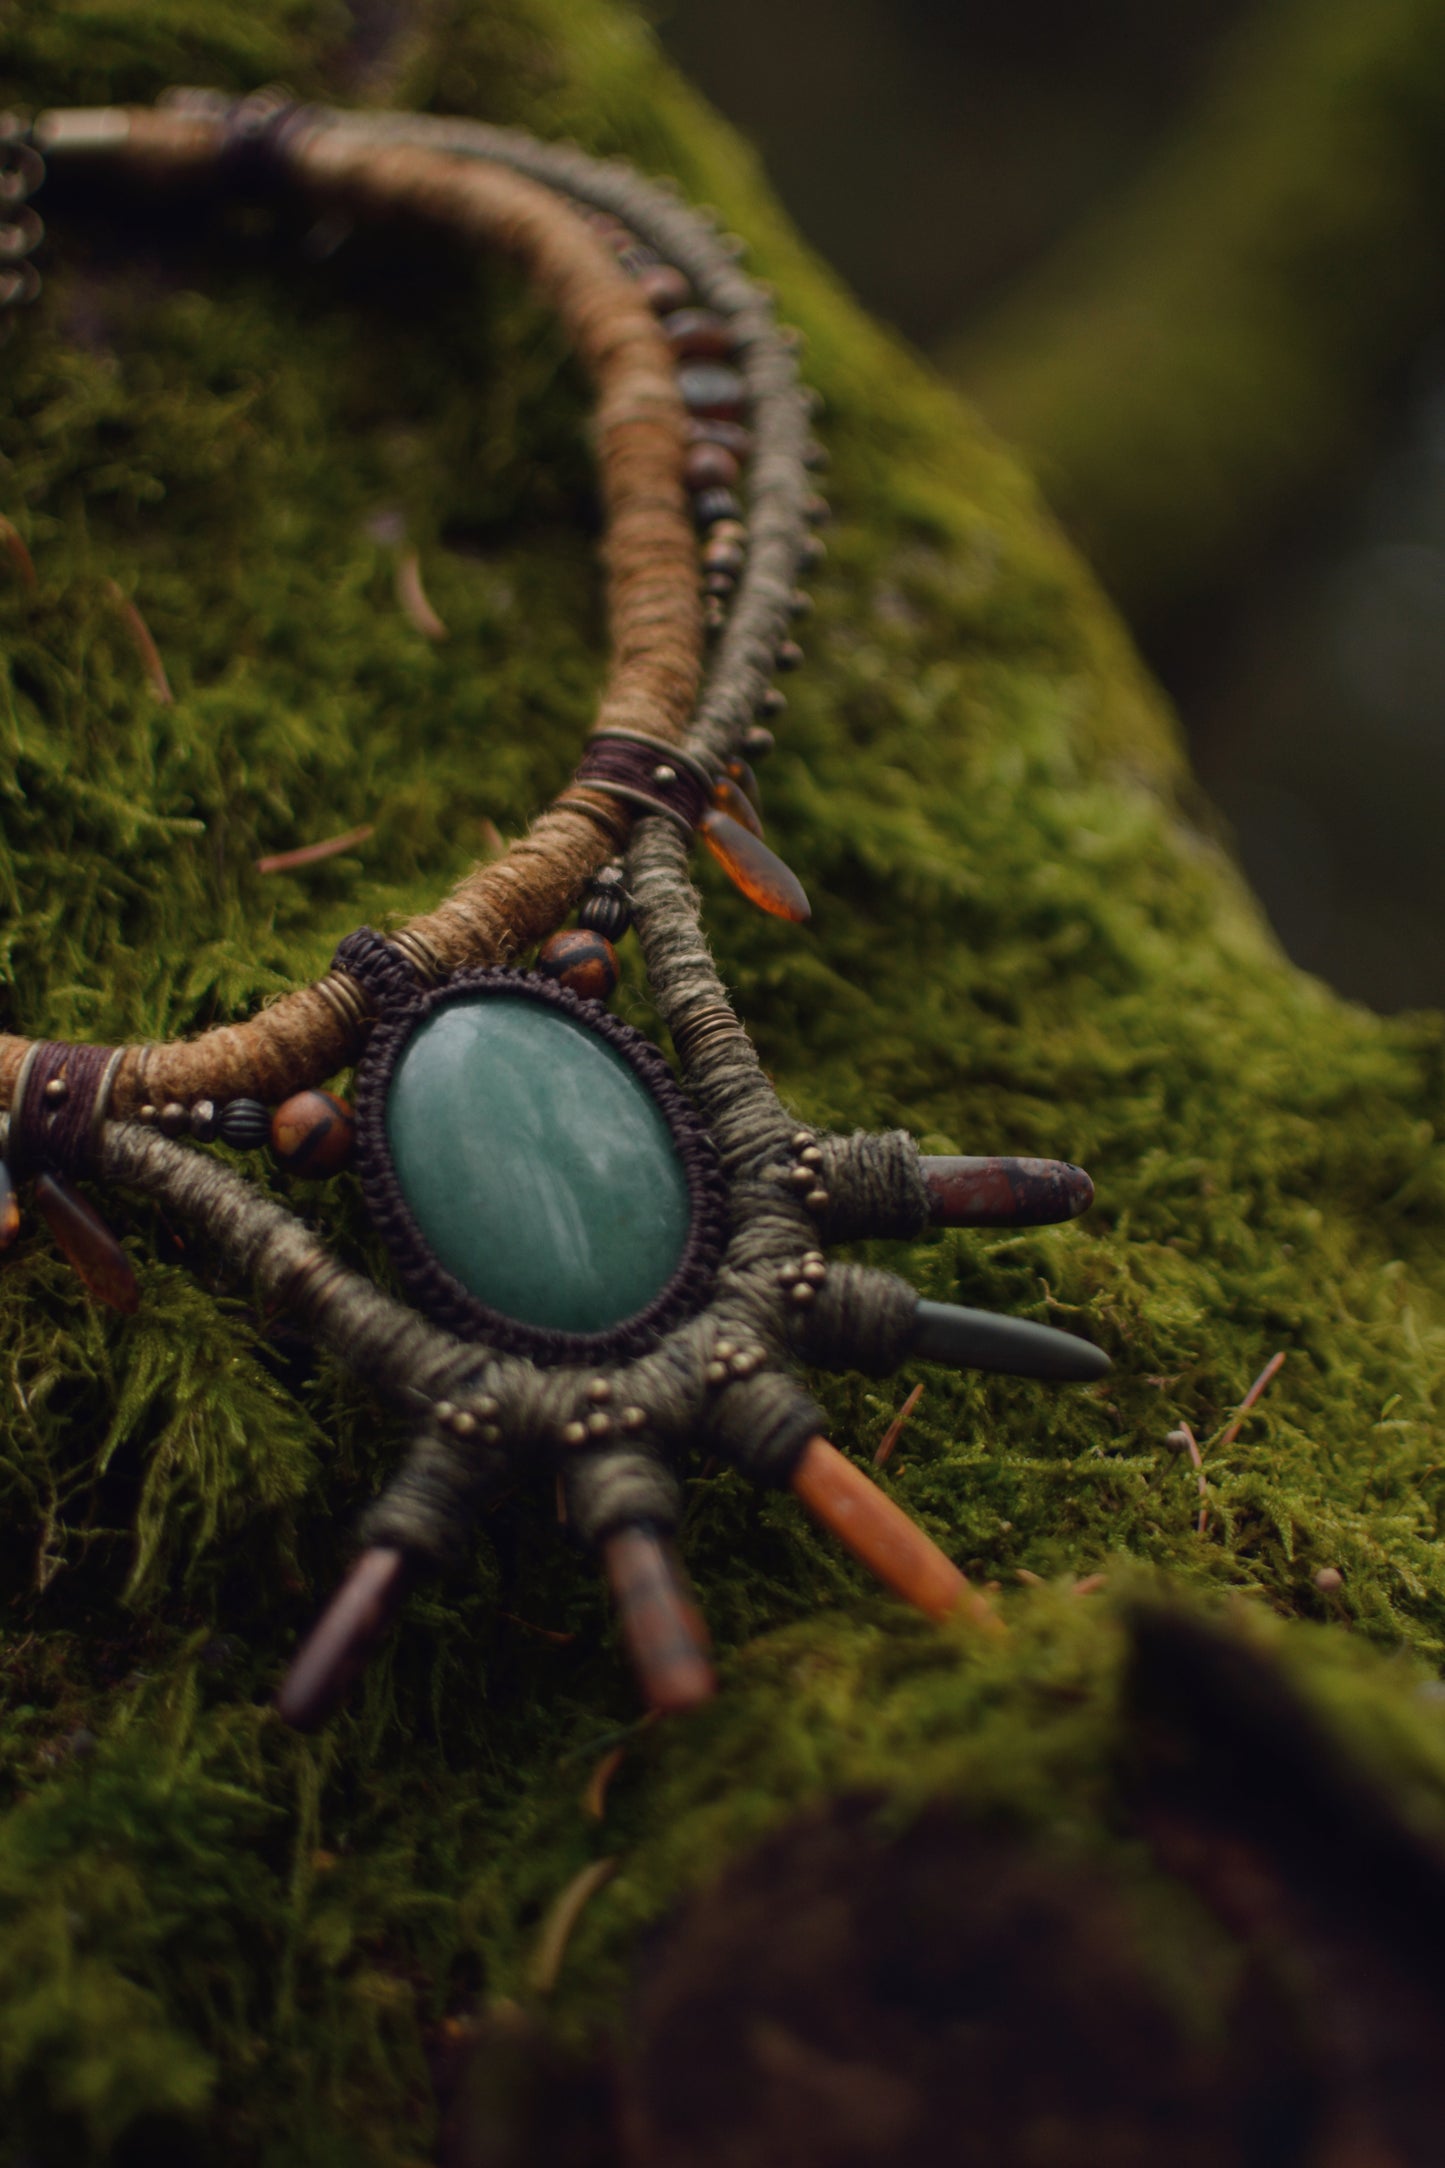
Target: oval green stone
537,1164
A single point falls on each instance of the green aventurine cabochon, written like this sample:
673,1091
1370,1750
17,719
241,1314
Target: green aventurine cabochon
536,1164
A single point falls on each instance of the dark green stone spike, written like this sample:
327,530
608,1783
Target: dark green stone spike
982,1340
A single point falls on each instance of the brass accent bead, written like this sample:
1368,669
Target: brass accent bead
803,1294
443,1411
464,1423
817,1200
57,1091
599,1424
815,1273
811,1156
800,1177
662,773
574,1433
725,1350
599,1389
814,1257
634,1419
175,1118
746,1362
146,1114
716,1373
203,1120
486,1408
489,1434
788,1273
801,1139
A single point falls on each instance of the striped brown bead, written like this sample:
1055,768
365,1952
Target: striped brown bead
312,1133
581,960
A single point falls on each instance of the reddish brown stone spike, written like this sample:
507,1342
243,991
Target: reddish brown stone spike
964,1192
742,774
661,1625
336,1650
727,798
882,1537
752,867
9,1208
88,1244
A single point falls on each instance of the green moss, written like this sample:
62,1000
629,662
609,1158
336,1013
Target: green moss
1024,936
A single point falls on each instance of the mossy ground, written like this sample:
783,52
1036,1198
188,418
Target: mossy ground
1025,936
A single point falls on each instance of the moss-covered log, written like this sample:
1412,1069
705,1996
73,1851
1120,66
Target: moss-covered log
1024,938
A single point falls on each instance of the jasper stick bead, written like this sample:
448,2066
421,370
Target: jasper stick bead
313,1134
582,960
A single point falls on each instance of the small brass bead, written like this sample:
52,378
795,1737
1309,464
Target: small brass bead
489,1434
725,1350
634,1419
803,1294
203,1120
175,1119
464,1423
599,1424
716,1373
662,773
147,1114
574,1433
800,1177
788,1273
817,1200
746,1362
815,1273
811,1156
802,1138
57,1091
443,1411
599,1389
486,1408
814,1257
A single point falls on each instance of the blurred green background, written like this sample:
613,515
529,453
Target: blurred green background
1190,260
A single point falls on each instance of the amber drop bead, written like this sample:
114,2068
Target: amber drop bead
710,466
581,960
9,1208
730,799
665,287
88,1244
312,1133
753,868
699,332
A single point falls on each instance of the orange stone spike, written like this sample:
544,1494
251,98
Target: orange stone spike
882,1537
335,1651
752,867
729,799
88,1244
661,1625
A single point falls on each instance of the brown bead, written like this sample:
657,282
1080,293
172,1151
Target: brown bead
582,961
699,332
89,1246
730,435
312,1133
724,556
665,287
709,466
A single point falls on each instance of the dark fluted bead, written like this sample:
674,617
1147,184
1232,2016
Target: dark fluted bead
583,961
244,1123
312,1133
708,388
665,287
711,505
606,911
710,466
699,332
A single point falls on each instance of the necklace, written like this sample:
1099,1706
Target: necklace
605,1269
